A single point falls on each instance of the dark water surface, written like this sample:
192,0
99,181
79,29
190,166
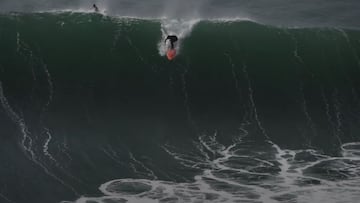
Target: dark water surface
91,111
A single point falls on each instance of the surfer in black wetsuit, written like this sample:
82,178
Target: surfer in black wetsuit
96,9
172,38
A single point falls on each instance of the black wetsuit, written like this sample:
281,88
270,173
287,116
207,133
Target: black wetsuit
96,9
172,38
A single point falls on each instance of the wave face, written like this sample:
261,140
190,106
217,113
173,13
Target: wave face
91,111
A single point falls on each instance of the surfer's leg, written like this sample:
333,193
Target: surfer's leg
174,40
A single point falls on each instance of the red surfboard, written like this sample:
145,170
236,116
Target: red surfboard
171,53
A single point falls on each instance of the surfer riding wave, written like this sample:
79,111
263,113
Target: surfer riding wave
173,39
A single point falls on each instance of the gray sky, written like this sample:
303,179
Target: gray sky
344,13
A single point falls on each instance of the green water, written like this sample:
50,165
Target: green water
87,99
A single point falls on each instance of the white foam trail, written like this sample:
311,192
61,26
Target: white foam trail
285,165
148,173
178,27
186,97
309,120
50,87
296,52
245,122
111,153
218,164
351,149
338,116
252,102
200,146
184,159
211,145
331,122
115,199
64,148
5,104
2,196
46,147
27,141
354,52
235,77
282,186
17,41
24,50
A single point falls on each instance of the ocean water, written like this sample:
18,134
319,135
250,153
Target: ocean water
253,109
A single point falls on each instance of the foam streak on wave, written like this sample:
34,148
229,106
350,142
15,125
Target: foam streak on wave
46,146
2,196
27,141
252,102
220,172
148,171
354,52
307,114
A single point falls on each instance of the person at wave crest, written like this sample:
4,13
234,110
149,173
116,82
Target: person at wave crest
96,9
